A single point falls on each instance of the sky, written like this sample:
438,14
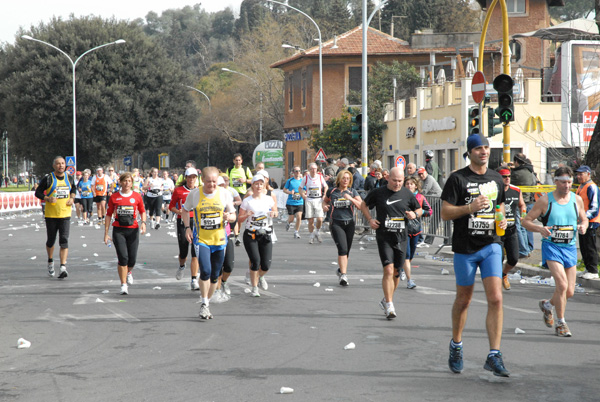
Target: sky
23,13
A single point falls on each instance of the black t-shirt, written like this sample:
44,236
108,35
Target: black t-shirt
341,208
474,231
391,210
511,206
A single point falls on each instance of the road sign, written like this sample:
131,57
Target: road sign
590,117
320,157
478,87
70,161
127,160
71,170
400,162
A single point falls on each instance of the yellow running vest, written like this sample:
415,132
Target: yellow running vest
208,220
60,189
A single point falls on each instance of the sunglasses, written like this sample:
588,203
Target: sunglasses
505,176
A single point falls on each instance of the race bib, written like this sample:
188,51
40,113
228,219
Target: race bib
210,221
259,221
314,192
394,224
482,225
100,187
125,215
238,182
510,222
562,234
341,203
296,196
62,192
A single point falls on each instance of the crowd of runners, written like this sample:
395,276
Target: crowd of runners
215,211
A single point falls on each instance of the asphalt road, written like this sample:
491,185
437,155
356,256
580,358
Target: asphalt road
150,345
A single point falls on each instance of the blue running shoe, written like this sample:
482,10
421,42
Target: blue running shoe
495,364
455,361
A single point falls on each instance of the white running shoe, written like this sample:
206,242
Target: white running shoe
287,226
248,277
194,284
344,280
255,292
129,278
226,288
63,272
589,275
312,238
296,235
205,312
124,289
157,226
262,282
402,275
410,284
51,269
382,304
179,273
390,312
319,238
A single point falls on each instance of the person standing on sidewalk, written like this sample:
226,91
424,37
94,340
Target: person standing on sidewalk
393,204
513,205
59,196
469,198
562,214
522,175
588,191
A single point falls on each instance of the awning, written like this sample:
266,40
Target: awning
570,30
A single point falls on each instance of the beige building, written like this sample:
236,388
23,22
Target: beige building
436,119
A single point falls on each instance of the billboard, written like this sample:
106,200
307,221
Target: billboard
271,154
580,90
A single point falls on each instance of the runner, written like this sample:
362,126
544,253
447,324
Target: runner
393,205
137,181
212,206
413,184
153,199
295,202
84,187
180,194
510,241
258,210
342,199
562,214
125,206
312,189
229,261
100,185
60,192
239,176
469,199
114,181
168,188
77,201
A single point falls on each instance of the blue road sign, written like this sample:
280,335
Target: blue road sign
127,160
71,161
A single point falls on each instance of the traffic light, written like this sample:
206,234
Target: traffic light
356,130
492,123
474,120
503,84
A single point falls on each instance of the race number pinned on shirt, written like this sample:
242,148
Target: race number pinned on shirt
562,234
314,192
341,203
259,221
481,225
99,188
210,221
62,192
394,224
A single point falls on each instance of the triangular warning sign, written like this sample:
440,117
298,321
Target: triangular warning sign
321,157
70,161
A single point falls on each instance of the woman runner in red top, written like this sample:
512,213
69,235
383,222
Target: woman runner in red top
125,205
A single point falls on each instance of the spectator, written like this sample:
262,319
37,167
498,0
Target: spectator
370,180
429,188
331,165
433,169
411,170
522,175
342,163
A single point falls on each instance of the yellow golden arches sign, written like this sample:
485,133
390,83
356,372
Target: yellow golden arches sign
533,123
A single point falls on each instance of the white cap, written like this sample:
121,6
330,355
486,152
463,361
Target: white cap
263,173
258,177
220,181
191,171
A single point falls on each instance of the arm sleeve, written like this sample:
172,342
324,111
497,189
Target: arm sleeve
592,194
190,204
450,192
111,207
73,188
140,203
174,199
43,186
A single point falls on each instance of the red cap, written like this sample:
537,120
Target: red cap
79,172
421,170
504,172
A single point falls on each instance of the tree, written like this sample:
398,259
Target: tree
336,137
573,9
129,96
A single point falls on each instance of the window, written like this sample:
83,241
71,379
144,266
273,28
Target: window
291,91
515,50
515,6
496,157
290,162
355,78
303,157
304,88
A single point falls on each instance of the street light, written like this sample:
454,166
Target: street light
285,45
261,99
320,59
74,65
209,108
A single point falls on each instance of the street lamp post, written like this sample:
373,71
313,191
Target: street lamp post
261,99
74,65
296,47
320,59
209,108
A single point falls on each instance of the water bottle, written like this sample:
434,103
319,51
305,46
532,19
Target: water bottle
499,217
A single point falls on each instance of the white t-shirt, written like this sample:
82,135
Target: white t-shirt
168,187
260,208
314,186
155,187
193,199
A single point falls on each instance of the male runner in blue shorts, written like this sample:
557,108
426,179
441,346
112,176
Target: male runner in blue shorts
469,199
563,214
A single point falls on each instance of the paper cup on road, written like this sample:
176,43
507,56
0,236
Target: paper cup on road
519,331
23,344
286,390
317,285
350,346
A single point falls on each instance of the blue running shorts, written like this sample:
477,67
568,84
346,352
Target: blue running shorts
488,259
567,256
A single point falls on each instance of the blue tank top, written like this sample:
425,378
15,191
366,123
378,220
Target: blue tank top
562,220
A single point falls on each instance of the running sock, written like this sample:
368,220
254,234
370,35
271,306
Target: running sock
493,352
560,321
456,344
547,305
205,301
194,277
50,260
